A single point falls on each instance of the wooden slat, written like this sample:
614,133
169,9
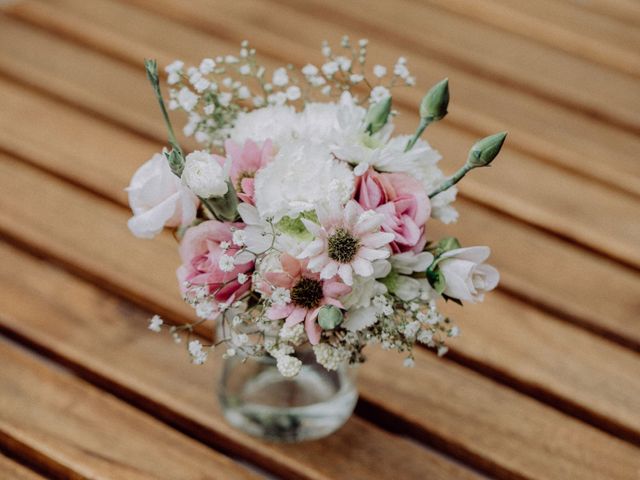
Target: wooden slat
14,471
501,57
76,431
536,127
612,311
592,215
623,10
541,22
505,433
154,373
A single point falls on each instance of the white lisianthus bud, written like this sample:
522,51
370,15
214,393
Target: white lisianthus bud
158,199
206,174
467,277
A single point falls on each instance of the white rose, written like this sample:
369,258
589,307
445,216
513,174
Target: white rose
466,277
158,199
206,174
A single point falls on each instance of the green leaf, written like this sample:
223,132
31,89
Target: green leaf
436,280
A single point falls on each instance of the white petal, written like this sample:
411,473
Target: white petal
472,254
371,254
314,248
346,273
377,240
362,267
360,318
368,223
329,270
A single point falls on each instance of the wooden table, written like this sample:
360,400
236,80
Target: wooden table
544,382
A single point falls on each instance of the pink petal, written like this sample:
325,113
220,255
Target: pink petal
290,265
296,316
335,289
312,328
276,312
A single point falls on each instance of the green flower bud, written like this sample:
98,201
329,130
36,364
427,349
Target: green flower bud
378,115
484,151
176,162
330,317
434,104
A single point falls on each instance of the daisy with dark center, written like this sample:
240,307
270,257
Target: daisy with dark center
307,294
346,242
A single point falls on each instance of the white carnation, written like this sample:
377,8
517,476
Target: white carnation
204,175
273,122
301,176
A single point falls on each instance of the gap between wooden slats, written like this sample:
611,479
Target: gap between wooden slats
421,410
557,308
149,281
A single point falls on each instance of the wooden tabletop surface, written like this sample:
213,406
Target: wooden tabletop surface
544,382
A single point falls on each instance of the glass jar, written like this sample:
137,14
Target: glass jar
258,400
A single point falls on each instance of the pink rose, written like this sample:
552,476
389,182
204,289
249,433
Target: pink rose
246,160
205,262
404,203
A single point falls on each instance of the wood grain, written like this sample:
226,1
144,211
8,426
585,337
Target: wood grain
89,434
592,215
154,373
14,471
611,312
536,127
499,430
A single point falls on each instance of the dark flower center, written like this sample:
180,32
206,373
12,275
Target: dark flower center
342,246
242,176
307,293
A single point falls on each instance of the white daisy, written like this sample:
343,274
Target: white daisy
347,241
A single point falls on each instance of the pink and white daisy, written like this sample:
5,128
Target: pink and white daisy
306,294
246,160
346,242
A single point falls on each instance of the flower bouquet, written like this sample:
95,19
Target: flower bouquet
302,220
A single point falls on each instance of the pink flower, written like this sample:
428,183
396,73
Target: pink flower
347,241
404,203
246,160
307,294
206,263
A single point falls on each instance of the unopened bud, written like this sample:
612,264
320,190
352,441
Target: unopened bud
434,104
378,115
484,151
330,317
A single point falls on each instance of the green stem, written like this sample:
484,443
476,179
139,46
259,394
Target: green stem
424,123
152,74
452,181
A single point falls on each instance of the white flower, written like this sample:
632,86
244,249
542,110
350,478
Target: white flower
332,124
244,92
364,289
310,70
230,59
225,98
187,99
273,122
379,71
226,263
204,174
207,65
155,324
329,357
281,296
301,176
294,334
158,199
280,77
239,237
175,66
293,93
206,310
288,366
409,362
379,93
356,78
242,278
209,109
330,68
344,63
198,355
347,241
467,277
245,69
201,85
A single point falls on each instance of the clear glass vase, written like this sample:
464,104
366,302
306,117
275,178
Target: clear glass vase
258,400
